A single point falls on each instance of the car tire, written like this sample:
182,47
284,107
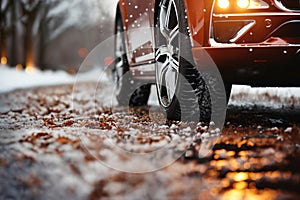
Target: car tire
228,87
185,97
128,92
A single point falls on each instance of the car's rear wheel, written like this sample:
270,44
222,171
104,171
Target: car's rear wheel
181,89
128,92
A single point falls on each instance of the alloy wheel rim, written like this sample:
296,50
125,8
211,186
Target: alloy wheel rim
167,53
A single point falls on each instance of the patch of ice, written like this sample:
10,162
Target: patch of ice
212,124
259,127
288,130
173,127
205,135
274,129
280,138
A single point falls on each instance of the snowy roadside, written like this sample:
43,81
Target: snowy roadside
275,97
11,79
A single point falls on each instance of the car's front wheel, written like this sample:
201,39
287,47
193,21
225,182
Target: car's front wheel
181,89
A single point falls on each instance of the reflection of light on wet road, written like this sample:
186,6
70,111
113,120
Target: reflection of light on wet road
240,185
249,194
255,176
240,176
251,168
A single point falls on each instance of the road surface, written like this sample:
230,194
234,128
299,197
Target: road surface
63,143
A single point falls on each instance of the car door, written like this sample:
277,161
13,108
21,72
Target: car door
139,22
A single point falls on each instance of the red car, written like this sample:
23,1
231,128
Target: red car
253,42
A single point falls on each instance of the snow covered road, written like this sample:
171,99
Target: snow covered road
55,145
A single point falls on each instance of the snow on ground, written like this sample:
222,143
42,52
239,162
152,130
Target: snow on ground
11,79
268,97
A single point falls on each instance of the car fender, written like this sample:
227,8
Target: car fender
198,15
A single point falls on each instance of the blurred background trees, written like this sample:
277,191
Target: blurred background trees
52,34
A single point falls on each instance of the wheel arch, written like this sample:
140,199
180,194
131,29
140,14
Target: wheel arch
198,15
121,12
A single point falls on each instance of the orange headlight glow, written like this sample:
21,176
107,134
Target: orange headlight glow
224,4
243,3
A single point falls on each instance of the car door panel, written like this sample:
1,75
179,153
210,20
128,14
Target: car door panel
138,18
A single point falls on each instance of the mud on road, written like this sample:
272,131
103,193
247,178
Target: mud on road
54,147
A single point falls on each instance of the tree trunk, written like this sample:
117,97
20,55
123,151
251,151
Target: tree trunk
42,43
31,14
2,34
28,45
13,52
3,46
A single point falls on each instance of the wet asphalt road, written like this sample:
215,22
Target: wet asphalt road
54,147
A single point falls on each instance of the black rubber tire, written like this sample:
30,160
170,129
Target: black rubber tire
228,87
130,92
192,84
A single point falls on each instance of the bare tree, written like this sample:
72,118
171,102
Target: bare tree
44,29
46,20
35,24
4,8
30,9
13,34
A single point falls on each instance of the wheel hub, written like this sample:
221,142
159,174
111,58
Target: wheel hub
167,53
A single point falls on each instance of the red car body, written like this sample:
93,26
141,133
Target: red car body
250,46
